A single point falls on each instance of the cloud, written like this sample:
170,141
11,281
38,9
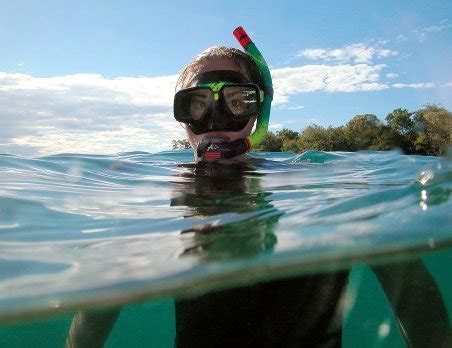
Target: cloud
86,113
354,53
401,38
424,32
275,126
331,79
415,85
392,75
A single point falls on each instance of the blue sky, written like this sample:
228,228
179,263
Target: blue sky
99,77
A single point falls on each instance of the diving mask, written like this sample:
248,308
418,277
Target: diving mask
222,100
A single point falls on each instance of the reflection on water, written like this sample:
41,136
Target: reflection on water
218,190
275,247
276,313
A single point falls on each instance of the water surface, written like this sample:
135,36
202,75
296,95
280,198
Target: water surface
78,231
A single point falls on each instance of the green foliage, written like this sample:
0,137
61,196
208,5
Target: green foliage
325,139
286,134
433,124
362,131
402,125
271,143
180,144
400,120
427,131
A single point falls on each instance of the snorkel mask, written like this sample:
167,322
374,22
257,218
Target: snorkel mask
224,100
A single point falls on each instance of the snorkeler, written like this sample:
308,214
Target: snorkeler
222,93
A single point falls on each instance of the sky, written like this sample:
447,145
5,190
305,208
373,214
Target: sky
99,77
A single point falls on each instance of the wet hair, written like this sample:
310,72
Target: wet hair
243,60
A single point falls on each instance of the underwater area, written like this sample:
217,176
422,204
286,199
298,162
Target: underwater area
138,231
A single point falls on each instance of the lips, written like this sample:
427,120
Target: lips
216,139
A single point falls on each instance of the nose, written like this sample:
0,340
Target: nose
217,118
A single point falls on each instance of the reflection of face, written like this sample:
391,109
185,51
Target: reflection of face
232,195
199,105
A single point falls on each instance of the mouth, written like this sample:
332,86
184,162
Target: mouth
216,139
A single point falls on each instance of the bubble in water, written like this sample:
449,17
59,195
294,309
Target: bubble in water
426,176
383,330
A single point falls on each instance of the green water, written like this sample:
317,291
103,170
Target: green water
136,230
369,322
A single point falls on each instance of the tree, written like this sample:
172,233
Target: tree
323,139
402,125
362,131
286,134
387,139
433,124
400,120
271,143
427,131
180,144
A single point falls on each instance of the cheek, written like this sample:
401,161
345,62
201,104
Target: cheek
247,130
192,138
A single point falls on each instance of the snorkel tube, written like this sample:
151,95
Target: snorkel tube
209,151
258,135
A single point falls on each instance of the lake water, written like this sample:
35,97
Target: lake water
137,230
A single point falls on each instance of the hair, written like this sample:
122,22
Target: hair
243,60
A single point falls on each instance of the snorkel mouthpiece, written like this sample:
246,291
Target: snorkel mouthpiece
208,150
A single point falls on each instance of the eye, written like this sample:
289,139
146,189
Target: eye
198,104
236,102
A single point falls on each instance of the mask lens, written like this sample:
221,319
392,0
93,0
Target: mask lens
241,100
195,103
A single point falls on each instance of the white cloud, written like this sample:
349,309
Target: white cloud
424,32
86,113
331,79
392,75
354,53
275,126
401,38
415,85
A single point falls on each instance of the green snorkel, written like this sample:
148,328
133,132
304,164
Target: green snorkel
258,135
208,151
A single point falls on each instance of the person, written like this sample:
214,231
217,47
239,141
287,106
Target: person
218,103
220,95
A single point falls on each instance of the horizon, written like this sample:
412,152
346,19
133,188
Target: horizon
100,78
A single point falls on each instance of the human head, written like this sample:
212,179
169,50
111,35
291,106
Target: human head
220,58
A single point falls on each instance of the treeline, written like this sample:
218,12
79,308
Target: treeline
427,131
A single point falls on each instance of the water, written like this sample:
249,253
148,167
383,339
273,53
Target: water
89,231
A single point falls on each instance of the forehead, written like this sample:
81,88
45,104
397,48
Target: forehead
217,63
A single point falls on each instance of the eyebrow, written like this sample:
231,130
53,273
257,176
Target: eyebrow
200,95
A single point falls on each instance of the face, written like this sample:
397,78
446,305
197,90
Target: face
195,139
